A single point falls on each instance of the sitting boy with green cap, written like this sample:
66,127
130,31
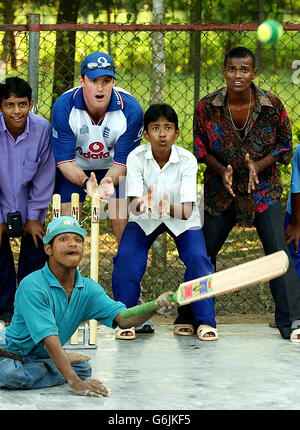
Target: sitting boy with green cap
50,304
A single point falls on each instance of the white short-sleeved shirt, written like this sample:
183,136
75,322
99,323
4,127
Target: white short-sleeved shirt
295,183
177,178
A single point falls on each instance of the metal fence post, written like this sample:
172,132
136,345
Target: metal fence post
158,54
33,58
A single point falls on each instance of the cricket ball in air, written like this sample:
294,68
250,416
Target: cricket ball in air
269,31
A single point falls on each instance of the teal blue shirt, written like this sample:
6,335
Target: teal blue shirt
42,309
295,183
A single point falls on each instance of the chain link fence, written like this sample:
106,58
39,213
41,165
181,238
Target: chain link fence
175,64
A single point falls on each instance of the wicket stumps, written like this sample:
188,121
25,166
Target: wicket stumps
89,330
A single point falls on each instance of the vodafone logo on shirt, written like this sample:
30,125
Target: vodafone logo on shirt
95,151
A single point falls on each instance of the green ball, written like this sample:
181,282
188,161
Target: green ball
269,31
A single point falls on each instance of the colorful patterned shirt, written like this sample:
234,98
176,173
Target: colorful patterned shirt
267,132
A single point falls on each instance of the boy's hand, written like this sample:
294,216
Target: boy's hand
147,202
35,229
74,357
164,207
89,387
3,228
292,233
164,306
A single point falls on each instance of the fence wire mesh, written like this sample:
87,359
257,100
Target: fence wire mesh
176,66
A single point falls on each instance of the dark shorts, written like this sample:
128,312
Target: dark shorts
65,188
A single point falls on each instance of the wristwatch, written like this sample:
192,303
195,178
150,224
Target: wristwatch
83,186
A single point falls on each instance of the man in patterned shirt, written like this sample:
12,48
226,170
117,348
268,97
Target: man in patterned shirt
241,132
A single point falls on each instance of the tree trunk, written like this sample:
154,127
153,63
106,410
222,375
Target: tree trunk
65,48
259,49
8,42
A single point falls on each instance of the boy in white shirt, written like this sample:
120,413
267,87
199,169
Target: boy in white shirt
162,187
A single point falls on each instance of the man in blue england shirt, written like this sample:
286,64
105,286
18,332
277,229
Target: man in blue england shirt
94,128
27,174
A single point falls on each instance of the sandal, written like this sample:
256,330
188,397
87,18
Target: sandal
204,329
294,336
119,333
183,329
146,328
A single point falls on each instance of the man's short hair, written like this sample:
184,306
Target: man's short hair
157,111
239,52
15,86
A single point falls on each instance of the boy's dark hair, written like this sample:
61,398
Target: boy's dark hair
157,111
239,52
15,86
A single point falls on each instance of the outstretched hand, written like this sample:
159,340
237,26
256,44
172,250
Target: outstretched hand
164,207
106,188
227,179
91,185
147,202
253,173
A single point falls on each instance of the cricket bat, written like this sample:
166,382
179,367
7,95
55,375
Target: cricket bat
235,278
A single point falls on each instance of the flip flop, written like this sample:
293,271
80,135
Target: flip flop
295,333
183,329
145,328
120,331
203,329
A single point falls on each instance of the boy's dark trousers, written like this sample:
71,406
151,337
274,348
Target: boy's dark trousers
30,259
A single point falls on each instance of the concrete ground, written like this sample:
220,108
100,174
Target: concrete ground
250,367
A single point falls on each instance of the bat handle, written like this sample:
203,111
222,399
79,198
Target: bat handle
139,309
143,308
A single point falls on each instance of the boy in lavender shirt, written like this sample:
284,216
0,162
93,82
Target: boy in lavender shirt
27,173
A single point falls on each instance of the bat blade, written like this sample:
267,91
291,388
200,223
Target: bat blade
235,278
